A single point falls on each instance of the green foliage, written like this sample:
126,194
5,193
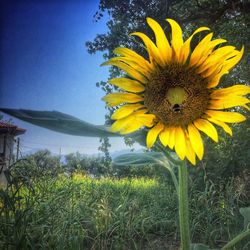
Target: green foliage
141,159
148,164
41,210
90,165
199,247
229,19
84,213
60,122
148,170
147,161
106,159
222,212
229,158
245,212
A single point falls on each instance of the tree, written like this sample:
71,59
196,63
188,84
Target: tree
41,163
106,158
90,165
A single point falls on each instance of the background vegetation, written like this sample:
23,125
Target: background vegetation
53,205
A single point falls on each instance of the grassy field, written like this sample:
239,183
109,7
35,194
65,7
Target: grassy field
85,213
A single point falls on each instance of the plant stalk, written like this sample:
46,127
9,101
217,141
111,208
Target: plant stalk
183,206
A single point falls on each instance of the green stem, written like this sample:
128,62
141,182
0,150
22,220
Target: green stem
183,206
168,154
169,168
237,239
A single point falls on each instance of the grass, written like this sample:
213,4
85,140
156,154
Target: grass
85,213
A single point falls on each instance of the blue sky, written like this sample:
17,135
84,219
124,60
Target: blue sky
45,66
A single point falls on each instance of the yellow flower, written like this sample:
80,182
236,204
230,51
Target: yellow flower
172,92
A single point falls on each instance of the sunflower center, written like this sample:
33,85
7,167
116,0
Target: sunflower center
176,95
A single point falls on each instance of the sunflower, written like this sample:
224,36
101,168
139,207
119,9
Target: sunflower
174,92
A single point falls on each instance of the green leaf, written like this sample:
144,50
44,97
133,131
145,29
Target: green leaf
67,124
60,122
236,239
141,159
245,212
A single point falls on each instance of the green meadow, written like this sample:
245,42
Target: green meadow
41,209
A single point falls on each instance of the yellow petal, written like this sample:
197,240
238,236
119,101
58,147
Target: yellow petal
130,71
234,90
135,118
132,54
221,65
120,124
246,107
222,51
215,79
190,152
232,54
127,84
196,141
146,119
226,128
115,99
211,71
171,143
230,63
228,102
180,143
230,117
131,127
215,59
206,127
153,134
185,50
125,111
164,136
201,46
161,40
208,50
153,52
177,40
132,63
212,44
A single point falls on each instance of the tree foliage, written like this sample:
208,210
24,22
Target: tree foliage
106,158
89,165
229,19
37,165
